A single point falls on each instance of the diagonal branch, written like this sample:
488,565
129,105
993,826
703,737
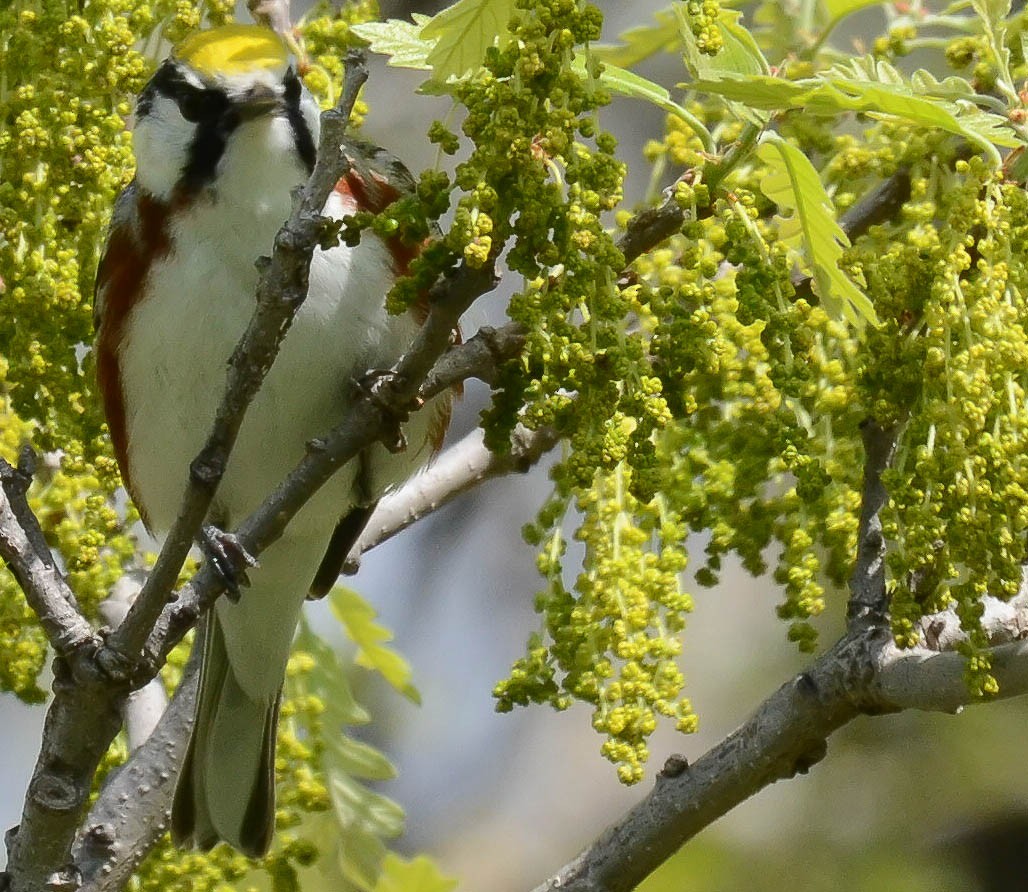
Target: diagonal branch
863,674
458,470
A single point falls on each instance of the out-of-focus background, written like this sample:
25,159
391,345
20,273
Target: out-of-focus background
907,802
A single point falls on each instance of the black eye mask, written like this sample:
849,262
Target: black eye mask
301,132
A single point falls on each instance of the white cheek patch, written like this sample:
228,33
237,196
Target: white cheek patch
161,141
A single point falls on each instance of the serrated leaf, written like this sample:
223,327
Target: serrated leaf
811,229
419,875
463,32
358,619
643,41
359,857
400,41
739,56
992,12
327,680
627,83
833,93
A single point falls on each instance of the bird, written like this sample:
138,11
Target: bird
224,131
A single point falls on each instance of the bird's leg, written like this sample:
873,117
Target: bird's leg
375,385
228,557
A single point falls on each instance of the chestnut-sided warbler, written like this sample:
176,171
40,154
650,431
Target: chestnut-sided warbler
224,131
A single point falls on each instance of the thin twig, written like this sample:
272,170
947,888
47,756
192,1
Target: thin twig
463,467
27,556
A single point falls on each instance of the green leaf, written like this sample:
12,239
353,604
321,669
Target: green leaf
449,44
358,807
358,618
839,9
852,89
993,14
463,32
836,10
643,41
419,875
400,41
327,680
360,818
739,54
359,759
811,229
635,86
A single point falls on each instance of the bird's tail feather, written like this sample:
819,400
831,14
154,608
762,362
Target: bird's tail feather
227,786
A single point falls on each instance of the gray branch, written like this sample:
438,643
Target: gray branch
24,550
131,814
461,468
864,673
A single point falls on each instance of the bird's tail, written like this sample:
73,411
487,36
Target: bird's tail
227,787
226,790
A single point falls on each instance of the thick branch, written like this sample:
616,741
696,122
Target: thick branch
865,673
785,736
131,813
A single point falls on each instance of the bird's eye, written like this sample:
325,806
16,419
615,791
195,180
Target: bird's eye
196,104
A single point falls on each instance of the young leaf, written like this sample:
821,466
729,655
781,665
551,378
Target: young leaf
739,56
839,9
840,91
358,619
327,680
836,10
360,818
463,32
811,229
635,86
359,759
739,53
419,875
993,14
643,41
400,41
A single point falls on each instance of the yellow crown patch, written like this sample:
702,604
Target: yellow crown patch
233,49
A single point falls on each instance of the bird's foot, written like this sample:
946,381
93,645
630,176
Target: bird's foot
229,559
377,386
